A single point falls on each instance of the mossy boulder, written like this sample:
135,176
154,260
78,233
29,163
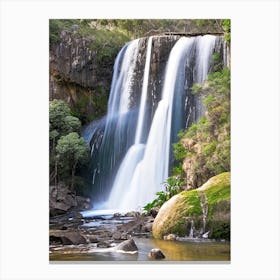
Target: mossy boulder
206,209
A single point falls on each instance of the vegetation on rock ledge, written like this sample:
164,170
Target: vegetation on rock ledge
204,149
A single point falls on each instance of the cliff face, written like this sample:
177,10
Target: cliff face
80,75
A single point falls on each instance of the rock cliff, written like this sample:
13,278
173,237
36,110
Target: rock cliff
80,74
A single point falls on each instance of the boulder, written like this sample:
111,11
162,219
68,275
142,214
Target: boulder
156,254
148,227
132,214
170,237
185,211
83,203
117,235
92,239
61,199
67,238
120,235
153,212
127,246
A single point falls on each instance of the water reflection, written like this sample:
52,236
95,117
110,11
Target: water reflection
173,251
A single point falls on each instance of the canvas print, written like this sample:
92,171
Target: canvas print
139,140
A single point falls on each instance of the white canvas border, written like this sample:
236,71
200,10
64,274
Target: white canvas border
24,138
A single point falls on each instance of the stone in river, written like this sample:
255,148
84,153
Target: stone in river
156,254
127,246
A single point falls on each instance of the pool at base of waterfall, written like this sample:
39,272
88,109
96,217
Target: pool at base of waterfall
191,250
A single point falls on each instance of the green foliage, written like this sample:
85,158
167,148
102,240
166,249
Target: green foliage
192,130
71,150
57,25
178,170
209,148
221,230
179,150
204,23
218,194
217,62
220,190
216,57
196,88
206,144
67,149
60,118
173,186
193,200
226,24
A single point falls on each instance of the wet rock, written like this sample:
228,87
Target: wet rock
63,200
125,236
132,214
120,236
117,215
67,238
148,227
156,254
132,227
104,244
69,220
106,234
153,212
117,236
92,239
170,237
127,246
83,203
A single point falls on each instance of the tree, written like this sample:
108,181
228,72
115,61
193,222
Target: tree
71,150
61,119
61,123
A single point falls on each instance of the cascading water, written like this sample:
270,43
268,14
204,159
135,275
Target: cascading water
135,153
152,170
120,121
133,162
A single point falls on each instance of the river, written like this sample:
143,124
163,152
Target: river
192,250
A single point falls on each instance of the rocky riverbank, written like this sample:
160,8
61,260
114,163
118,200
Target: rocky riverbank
200,215
125,238
72,228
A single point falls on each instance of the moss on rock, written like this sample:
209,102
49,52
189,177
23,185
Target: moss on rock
174,216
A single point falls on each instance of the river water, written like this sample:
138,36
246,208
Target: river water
191,250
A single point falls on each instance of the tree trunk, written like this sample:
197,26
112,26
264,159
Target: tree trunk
73,175
55,174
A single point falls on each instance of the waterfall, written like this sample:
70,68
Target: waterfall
191,234
133,160
141,117
135,153
120,120
152,171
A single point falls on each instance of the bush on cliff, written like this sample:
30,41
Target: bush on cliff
204,148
